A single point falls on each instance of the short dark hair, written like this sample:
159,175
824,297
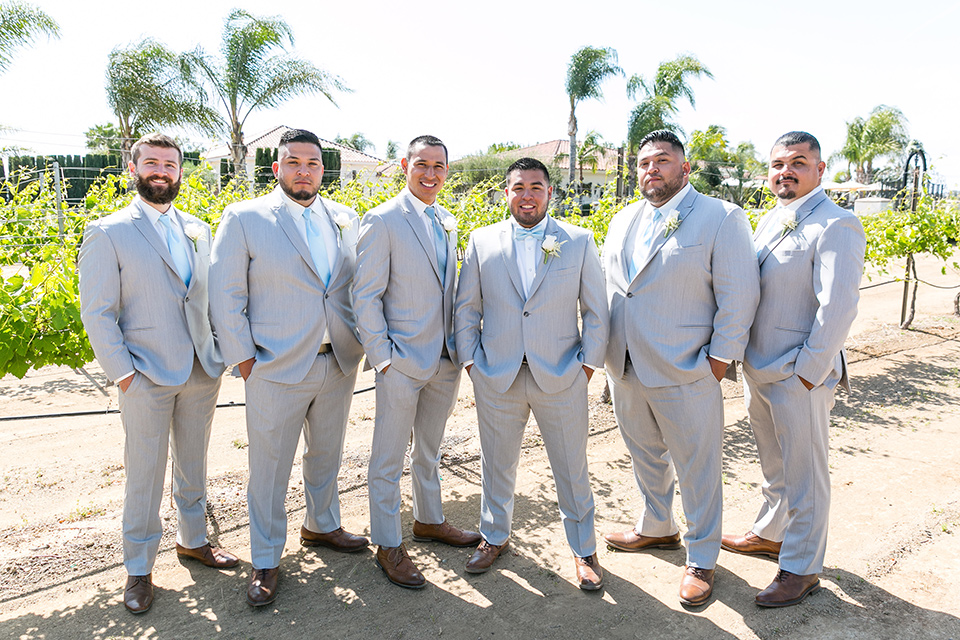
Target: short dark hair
426,141
797,137
663,135
155,140
299,135
528,164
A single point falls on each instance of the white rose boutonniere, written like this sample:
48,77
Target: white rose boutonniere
671,224
788,223
343,222
551,247
449,224
194,232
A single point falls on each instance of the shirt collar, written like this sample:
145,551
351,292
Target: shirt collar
673,203
152,214
418,205
539,227
295,208
796,204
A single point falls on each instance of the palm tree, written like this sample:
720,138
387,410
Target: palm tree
587,70
659,100
882,134
357,141
150,86
249,75
20,24
589,153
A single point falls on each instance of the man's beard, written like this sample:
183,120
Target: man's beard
663,192
157,194
297,196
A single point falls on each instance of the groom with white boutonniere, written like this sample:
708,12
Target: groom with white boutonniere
518,333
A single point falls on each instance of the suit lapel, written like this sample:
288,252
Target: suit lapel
545,265
683,210
416,223
338,261
143,224
507,250
805,210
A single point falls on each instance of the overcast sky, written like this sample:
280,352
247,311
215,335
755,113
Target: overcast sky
474,73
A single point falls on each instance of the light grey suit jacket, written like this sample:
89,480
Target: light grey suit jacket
809,289
695,296
404,313
266,297
497,325
138,313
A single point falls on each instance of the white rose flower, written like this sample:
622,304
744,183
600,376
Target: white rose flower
343,221
551,247
194,232
449,224
671,224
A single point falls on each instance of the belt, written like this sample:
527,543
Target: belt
326,347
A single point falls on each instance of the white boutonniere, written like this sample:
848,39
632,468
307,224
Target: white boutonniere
449,224
551,247
194,232
343,222
671,224
788,223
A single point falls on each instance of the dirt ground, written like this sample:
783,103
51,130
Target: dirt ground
893,548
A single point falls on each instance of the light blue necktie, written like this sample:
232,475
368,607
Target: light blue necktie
519,233
177,251
318,248
643,242
441,238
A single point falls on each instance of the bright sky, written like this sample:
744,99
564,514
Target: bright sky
474,73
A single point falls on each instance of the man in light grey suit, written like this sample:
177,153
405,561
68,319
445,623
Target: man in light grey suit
518,333
281,279
811,261
143,301
682,286
404,290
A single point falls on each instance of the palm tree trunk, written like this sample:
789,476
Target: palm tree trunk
238,154
572,132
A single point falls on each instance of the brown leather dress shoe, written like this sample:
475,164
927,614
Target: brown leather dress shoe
399,567
788,589
750,544
483,557
696,586
630,540
138,593
445,533
338,540
589,573
211,556
263,587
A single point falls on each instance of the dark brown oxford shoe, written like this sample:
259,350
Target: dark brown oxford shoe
788,589
263,587
338,540
630,540
399,567
138,593
589,573
750,544
696,586
445,533
211,556
482,559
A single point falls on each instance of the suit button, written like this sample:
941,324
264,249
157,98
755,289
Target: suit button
186,299
629,295
326,295
526,314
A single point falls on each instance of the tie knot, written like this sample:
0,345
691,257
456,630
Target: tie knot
306,213
657,214
430,211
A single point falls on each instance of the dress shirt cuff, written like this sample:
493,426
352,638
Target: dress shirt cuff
122,378
719,359
380,367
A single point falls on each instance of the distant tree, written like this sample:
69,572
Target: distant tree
357,141
392,147
500,147
251,74
588,69
103,138
721,170
590,153
20,25
882,134
148,87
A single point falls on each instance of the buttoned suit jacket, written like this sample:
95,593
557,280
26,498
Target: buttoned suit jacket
404,310
135,307
809,289
496,325
267,298
695,295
